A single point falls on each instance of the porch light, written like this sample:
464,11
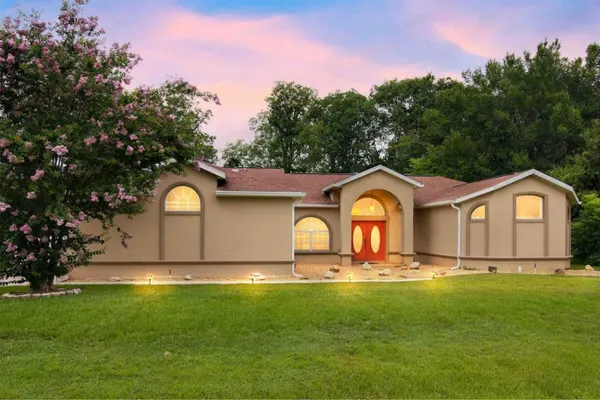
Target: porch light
150,276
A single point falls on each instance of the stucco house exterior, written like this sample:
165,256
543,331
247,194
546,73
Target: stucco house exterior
226,222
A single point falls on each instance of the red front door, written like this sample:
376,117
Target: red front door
368,240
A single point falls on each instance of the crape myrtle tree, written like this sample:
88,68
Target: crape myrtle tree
76,146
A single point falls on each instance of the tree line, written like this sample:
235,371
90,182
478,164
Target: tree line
538,110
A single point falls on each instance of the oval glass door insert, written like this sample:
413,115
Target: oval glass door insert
357,239
375,239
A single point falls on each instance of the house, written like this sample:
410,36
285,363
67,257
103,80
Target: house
222,222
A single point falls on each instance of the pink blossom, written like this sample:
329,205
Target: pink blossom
30,238
171,117
104,137
99,78
11,42
4,142
120,144
132,117
154,192
45,227
108,197
72,224
15,212
60,150
39,174
4,206
13,228
94,197
27,145
10,247
30,257
129,150
10,59
63,137
31,195
26,229
44,239
89,140
63,259
97,65
24,46
141,149
81,216
133,137
72,167
32,218
81,83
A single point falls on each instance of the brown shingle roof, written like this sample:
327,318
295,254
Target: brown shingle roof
436,188
441,189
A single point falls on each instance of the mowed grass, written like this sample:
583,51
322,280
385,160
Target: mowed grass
484,336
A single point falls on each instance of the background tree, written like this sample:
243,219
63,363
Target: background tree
283,122
75,145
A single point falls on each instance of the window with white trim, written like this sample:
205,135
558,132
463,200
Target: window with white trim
530,207
311,234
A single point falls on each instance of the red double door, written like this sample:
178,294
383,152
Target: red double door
368,240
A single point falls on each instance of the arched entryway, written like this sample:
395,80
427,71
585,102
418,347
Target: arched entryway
376,227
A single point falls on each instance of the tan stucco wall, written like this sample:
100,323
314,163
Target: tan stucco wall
529,236
436,230
229,229
161,270
397,191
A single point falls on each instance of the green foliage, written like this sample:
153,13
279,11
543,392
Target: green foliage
586,231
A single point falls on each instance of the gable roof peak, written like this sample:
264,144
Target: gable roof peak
369,171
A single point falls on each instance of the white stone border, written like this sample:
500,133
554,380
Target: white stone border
36,295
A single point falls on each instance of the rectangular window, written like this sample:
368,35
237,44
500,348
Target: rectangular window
530,207
311,241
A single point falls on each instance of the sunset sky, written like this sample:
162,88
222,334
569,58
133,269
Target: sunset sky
239,48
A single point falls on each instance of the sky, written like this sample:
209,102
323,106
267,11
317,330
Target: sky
240,48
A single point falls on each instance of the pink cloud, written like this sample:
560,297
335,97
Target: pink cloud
240,58
494,32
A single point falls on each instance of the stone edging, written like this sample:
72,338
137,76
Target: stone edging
36,295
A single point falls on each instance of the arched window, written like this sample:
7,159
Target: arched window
182,198
530,207
368,206
478,213
311,234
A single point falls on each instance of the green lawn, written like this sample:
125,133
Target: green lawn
497,335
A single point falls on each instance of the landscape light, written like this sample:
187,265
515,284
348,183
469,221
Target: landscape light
350,275
150,276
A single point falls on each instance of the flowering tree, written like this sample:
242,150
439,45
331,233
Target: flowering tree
75,146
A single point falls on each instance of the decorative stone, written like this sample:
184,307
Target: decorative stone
589,268
187,278
385,272
258,276
114,279
367,267
334,268
329,275
559,271
441,273
415,265
167,354
39,295
492,269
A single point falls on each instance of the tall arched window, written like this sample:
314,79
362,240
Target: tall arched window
368,206
530,207
478,213
182,198
311,234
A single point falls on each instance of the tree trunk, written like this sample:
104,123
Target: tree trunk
43,285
